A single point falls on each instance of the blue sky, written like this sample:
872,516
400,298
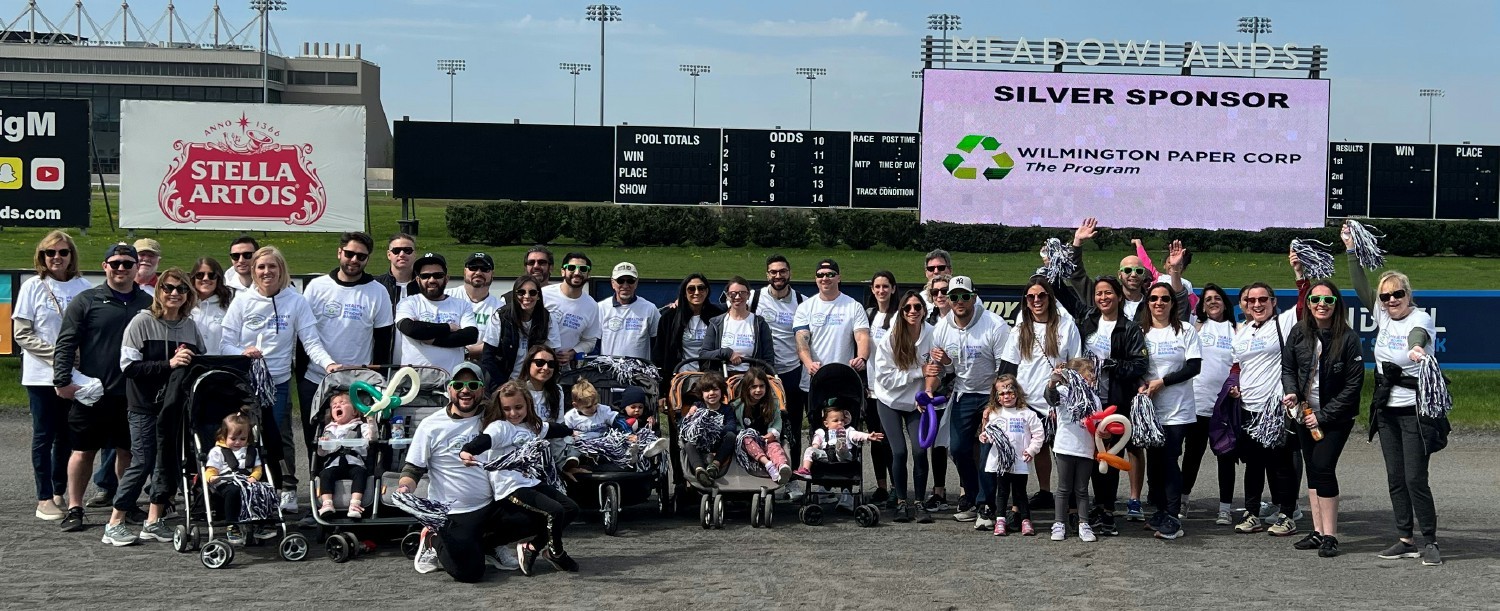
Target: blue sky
1381,52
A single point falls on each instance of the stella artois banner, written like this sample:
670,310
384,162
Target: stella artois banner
244,167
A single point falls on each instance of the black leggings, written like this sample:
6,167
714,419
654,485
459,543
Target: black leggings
464,540
1010,489
357,475
1262,463
550,510
1196,445
1163,472
1321,458
880,452
791,421
903,445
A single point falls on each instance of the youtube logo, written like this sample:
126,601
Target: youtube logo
47,174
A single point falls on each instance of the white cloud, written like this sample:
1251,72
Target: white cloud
859,25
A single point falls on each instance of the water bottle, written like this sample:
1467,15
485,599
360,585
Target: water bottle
398,428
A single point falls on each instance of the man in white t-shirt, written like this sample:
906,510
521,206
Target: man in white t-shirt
968,342
479,273
575,315
776,303
354,318
831,328
434,329
627,322
241,251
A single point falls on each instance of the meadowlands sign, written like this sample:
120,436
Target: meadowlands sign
1156,54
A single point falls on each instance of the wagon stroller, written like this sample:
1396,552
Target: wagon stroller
610,486
838,385
220,386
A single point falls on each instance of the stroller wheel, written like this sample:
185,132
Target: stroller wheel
181,540
755,508
409,544
610,506
811,515
704,514
217,554
866,517
718,511
195,538
338,549
293,547
767,509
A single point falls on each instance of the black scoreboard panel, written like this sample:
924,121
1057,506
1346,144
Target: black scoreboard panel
792,168
666,165
1468,181
1401,180
884,169
1348,179
443,160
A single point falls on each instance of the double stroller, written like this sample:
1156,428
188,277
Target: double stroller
212,388
608,487
837,385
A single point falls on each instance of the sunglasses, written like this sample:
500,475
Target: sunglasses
465,384
432,275
1396,294
937,268
1326,300
937,292
694,289
960,297
120,264
625,280
1159,299
206,276
403,250
1255,300
483,269
528,293
236,256
1132,271
574,267
60,252
536,262
826,274
913,307
355,255
738,294
174,288
544,363
1036,297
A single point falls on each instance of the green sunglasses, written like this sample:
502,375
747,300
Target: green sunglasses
1132,271
1322,300
465,384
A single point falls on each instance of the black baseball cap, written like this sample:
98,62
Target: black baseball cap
430,258
828,264
121,249
482,258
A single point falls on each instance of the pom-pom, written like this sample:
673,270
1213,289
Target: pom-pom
741,456
1317,263
429,513
1005,452
1433,400
1057,261
532,459
1366,248
1080,401
1268,428
1145,430
611,447
702,429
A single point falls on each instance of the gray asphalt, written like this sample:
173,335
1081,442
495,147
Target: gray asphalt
672,563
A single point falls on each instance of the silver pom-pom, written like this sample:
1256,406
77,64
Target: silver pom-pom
1366,248
741,456
532,459
702,429
429,513
1000,442
1145,430
1058,261
1433,400
611,447
1268,428
1081,401
1317,263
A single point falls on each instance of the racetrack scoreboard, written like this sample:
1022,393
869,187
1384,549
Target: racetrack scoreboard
1348,179
785,168
1413,181
1468,182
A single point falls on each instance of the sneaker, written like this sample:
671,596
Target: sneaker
903,512
936,503
326,510
712,469
1296,514
1401,549
1314,540
985,520
880,495
265,532
1086,533
655,449
426,560
503,559
74,521
1431,556
783,474
1267,510
1133,511
966,515
1282,526
1224,518
50,512
1330,547
803,473
701,474
1170,529
1059,531
924,516
289,501
118,535
100,499
794,491
1000,530
1042,498
1251,524
526,559
235,535
1106,526
571,462
560,560
1026,529
135,517
1155,521
156,531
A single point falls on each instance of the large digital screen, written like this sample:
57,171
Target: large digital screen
1151,151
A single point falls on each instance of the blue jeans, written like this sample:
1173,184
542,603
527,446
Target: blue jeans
50,446
963,434
105,476
142,463
282,412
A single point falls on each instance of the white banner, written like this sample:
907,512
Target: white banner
242,167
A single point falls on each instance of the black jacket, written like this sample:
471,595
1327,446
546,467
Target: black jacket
498,361
389,282
1340,378
1128,361
93,327
666,351
712,336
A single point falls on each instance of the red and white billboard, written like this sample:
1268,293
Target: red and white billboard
244,167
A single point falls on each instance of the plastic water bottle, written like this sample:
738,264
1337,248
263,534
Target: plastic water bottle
398,428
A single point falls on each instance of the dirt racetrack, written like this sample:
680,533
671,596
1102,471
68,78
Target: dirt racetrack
671,563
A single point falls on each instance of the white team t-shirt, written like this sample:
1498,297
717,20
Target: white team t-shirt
832,325
1018,424
504,439
577,320
45,310
435,447
484,313
1390,347
590,427
347,319
1100,342
1035,369
1169,351
1072,438
421,309
692,337
739,336
209,318
627,329
779,314
1258,352
1216,345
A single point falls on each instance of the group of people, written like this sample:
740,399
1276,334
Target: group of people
946,380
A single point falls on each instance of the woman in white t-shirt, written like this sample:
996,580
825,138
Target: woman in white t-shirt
1175,358
880,310
1405,336
523,322
1216,329
541,381
1042,341
37,320
738,333
213,300
895,377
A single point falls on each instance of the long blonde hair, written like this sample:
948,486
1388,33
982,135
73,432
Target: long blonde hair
57,235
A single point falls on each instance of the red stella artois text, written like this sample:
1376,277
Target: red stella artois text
241,172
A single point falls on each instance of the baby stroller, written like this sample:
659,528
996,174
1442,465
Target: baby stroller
608,487
736,482
222,386
838,385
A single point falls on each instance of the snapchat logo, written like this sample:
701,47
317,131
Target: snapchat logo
10,173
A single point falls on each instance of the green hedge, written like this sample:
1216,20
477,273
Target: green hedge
507,223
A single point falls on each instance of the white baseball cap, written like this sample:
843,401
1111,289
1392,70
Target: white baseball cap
623,269
960,283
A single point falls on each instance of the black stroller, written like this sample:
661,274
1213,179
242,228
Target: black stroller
609,487
215,388
837,385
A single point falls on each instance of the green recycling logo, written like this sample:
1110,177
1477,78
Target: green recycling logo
1003,163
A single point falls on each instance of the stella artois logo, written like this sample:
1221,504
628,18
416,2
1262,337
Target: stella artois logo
241,172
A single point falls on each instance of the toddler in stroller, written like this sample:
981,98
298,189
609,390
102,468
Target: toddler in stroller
604,436
709,430
833,442
347,461
234,472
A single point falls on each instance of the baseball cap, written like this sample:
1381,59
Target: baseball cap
120,249
479,257
827,264
960,283
430,259
148,245
471,368
623,269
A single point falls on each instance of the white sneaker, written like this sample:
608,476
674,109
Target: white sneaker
1085,532
289,501
1059,531
655,449
504,559
118,535
426,560
775,473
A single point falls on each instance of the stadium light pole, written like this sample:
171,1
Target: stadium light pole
602,13
451,67
694,70
1254,26
812,74
945,23
575,70
1430,94
264,7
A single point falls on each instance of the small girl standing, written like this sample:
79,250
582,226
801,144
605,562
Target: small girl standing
235,474
760,441
1009,420
344,462
1074,448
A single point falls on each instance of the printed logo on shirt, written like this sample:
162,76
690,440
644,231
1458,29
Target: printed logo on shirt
1386,340
571,321
828,319
784,319
456,444
1222,342
624,323
1099,343
741,342
331,309
439,317
1163,348
256,322
1015,425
